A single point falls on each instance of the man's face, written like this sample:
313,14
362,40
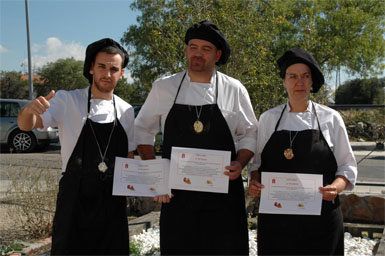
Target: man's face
107,71
298,82
201,55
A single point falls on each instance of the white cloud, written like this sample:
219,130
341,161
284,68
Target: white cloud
36,47
54,49
3,49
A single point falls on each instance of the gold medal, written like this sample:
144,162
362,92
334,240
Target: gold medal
198,126
288,153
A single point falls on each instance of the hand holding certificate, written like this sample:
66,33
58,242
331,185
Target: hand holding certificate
291,193
141,178
199,169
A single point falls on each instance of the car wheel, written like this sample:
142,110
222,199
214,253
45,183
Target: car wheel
22,141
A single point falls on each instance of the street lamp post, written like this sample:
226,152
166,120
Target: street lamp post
30,81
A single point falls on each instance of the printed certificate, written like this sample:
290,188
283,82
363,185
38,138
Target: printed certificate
147,178
291,193
199,169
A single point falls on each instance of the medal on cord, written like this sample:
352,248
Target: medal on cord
288,153
198,125
102,166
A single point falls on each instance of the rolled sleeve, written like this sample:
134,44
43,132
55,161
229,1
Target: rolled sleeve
264,133
147,122
346,162
247,128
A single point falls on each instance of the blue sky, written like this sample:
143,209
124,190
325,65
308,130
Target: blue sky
62,29
58,29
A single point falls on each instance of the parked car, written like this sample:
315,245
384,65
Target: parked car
16,139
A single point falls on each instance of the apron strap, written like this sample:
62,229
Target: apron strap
315,113
180,86
316,116
279,120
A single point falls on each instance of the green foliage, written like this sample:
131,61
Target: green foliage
362,91
345,33
135,248
7,249
67,74
132,93
363,124
63,74
339,34
12,86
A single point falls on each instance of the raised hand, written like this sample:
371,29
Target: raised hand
29,117
39,105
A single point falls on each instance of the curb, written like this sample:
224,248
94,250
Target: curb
365,145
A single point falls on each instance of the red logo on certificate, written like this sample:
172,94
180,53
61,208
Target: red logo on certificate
183,155
273,181
126,165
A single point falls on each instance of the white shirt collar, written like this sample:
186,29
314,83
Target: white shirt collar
308,109
212,81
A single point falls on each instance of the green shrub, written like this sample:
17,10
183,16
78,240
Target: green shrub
364,124
135,248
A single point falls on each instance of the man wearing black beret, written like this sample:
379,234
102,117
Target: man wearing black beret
206,109
95,126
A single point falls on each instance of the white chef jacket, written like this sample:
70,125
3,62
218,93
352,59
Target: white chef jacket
68,112
233,101
332,127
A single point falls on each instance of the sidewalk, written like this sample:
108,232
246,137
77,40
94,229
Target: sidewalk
368,190
365,147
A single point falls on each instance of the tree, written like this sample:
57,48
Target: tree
131,93
362,91
63,74
12,86
339,34
67,74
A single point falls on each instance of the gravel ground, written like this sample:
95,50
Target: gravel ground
354,246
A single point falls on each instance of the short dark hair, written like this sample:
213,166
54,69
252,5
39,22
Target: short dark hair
111,50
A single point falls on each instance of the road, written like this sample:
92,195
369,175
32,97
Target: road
371,164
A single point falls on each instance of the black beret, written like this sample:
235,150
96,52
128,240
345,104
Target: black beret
297,55
94,48
208,31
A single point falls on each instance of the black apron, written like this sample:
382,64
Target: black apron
88,219
202,222
280,234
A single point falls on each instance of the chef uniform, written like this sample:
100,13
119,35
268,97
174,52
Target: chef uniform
200,222
88,219
304,133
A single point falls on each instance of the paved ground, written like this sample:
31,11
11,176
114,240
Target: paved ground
371,168
371,171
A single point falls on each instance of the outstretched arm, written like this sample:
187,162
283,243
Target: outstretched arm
29,116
